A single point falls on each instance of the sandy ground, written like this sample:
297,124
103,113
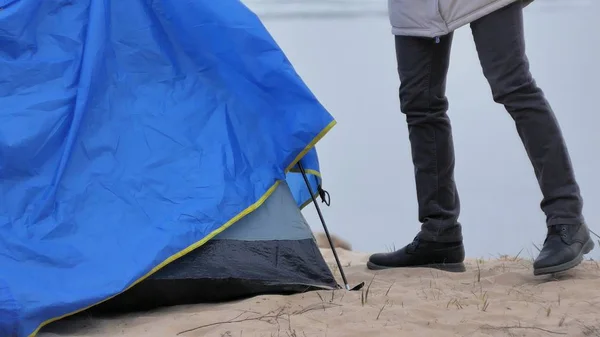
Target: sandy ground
495,297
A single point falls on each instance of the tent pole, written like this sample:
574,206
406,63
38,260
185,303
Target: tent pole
337,260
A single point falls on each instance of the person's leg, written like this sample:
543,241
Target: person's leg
422,68
500,43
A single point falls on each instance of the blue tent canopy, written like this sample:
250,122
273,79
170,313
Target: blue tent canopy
132,132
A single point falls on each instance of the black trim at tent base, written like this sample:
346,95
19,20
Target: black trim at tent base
166,293
226,270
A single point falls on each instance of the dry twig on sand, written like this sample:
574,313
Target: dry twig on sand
514,327
268,317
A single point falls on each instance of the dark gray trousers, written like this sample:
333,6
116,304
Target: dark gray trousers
423,66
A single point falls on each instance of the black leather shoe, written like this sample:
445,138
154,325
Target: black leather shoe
444,256
563,249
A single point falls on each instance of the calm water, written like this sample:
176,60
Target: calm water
344,51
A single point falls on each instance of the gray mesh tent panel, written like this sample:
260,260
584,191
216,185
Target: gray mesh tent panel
270,251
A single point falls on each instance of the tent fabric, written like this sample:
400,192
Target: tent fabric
294,178
277,219
131,133
270,251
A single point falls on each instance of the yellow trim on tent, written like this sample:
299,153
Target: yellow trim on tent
310,171
316,194
308,202
214,233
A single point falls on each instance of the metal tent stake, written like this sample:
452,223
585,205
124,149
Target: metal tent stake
337,260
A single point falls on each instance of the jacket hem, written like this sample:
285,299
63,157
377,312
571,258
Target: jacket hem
455,24
416,32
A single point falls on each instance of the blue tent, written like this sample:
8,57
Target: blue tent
132,132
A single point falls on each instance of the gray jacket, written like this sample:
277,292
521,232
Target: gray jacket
433,18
